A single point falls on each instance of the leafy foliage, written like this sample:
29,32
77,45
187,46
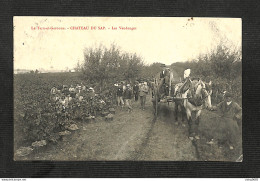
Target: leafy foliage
222,66
37,117
150,71
102,65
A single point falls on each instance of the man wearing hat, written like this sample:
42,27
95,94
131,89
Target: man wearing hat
91,92
65,90
72,91
78,88
136,90
128,97
231,113
163,72
229,108
143,91
119,94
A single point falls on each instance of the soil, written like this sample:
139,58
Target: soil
134,136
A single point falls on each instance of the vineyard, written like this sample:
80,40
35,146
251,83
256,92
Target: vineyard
37,117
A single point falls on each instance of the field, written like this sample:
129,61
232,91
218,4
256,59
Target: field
34,114
129,136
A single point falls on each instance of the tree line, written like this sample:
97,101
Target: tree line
221,65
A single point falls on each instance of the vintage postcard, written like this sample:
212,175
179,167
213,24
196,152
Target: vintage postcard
127,88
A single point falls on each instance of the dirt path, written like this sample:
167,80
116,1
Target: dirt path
168,141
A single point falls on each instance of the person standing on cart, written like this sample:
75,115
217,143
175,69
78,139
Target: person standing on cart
164,82
163,72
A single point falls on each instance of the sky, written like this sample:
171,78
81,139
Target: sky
155,39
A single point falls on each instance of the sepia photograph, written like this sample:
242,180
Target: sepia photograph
127,88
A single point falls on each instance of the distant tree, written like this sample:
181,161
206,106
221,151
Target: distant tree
78,67
150,71
134,65
103,65
220,62
92,67
222,65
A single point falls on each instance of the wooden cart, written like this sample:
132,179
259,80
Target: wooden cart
166,99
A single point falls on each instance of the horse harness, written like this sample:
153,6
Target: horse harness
191,96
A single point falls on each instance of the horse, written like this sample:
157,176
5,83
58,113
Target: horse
191,96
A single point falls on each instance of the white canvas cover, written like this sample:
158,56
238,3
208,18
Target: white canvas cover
186,73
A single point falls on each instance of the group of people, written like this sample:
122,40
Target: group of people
67,98
64,95
125,93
